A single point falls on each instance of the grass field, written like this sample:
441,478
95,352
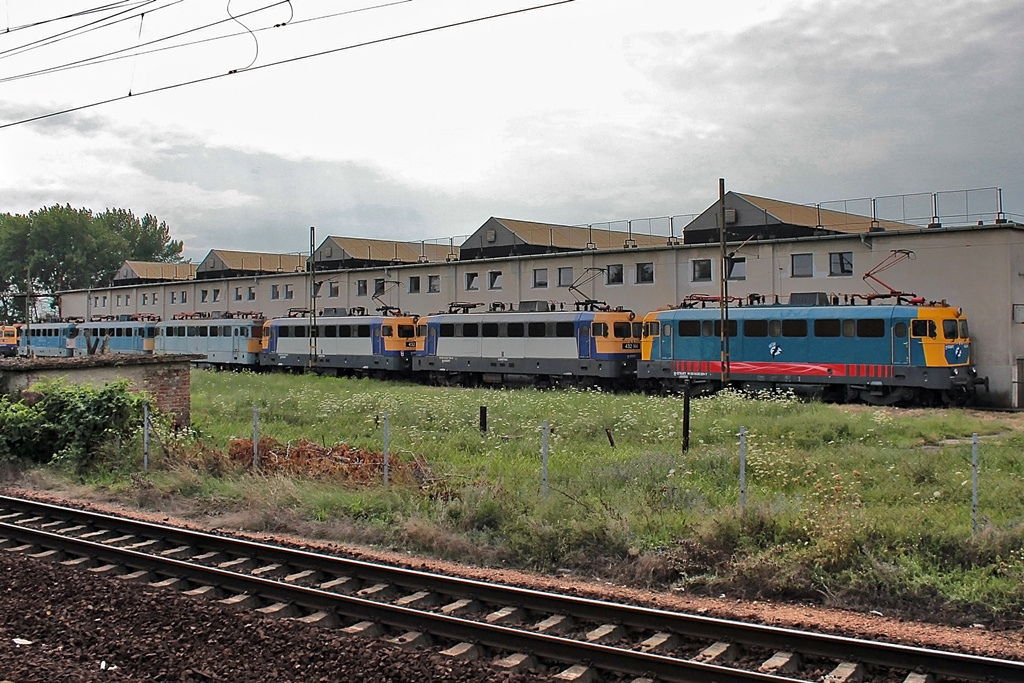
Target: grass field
847,505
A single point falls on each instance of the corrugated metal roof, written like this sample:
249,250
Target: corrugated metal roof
250,261
812,216
573,237
154,270
386,251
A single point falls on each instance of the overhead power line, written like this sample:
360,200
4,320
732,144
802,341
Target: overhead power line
85,12
281,62
134,51
104,22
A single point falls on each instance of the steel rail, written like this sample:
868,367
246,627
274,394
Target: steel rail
839,648
496,636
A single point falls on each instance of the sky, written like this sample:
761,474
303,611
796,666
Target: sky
368,119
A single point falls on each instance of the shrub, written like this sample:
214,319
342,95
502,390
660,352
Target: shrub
70,425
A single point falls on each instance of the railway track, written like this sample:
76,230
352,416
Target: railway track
579,639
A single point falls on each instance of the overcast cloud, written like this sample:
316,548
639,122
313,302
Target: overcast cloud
591,111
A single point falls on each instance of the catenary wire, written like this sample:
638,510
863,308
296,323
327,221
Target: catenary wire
81,30
82,13
117,55
290,60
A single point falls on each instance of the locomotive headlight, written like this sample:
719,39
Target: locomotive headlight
956,371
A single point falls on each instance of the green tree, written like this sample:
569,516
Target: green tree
146,239
59,248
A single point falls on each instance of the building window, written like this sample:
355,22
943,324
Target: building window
216,295
414,284
275,292
614,274
472,282
494,279
251,294
238,293
96,300
127,299
288,293
174,298
378,286
118,304
333,290
154,299
700,270
540,278
803,265
145,299
104,304
434,284
644,273
360,287
565,276
204,294
737,268
840,263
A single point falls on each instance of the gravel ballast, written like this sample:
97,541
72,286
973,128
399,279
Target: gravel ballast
62,624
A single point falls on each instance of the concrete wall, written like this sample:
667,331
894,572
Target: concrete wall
165,378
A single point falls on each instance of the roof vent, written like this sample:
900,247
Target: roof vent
534,306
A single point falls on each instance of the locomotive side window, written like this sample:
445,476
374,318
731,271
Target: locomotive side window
599,330
689,328
406,331
963,330
470,330
537,329
826,327
387,331
623,330
899,330
564,329
490,329
301,331
283,331
421,330
447,330
344,331
170,332
331,331
516,330
922,328
362,330
794,328
653,329
849,328
638,330
730,327
755,328
871,327
949,329
774,328
707,328
214,330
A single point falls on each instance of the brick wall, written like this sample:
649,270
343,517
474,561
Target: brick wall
166,379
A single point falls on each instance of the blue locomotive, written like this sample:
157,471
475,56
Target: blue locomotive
879,354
